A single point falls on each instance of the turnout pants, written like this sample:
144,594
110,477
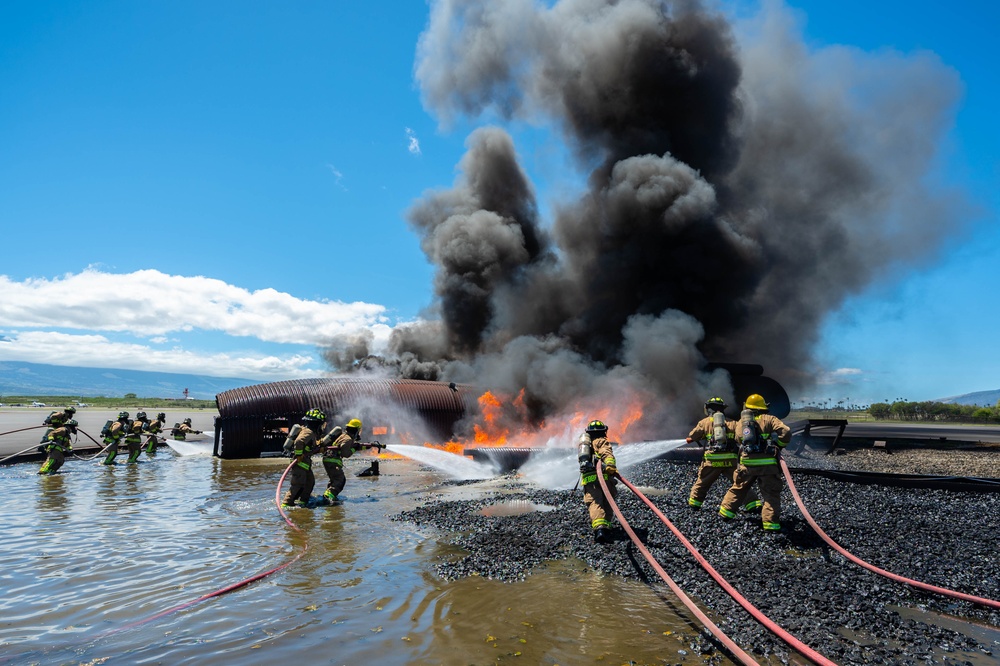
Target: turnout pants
708,474
303,482
597,504
337,478
56,458
769,481
134,449
112,452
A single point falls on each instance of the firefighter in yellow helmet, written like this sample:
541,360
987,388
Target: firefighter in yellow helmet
337,446
721,454
761,437
594,444
58,444
306,444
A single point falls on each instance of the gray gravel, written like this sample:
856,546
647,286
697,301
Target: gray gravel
848,614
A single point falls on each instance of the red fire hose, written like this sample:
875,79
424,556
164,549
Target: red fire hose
798,645
871,567
234,586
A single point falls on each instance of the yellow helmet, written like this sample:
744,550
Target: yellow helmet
354,423
755,402
597,428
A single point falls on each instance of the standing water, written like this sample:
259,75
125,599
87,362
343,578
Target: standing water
92,552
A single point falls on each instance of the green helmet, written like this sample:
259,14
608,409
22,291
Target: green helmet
122,415
141,416
715,405
316,415
70,410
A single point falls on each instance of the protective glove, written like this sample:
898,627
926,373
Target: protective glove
610,470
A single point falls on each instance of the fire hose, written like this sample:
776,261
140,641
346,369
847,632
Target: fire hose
871,567
88,458
20,453
234,586
795,643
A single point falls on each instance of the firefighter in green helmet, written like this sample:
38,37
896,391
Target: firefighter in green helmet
182,430
58,444
593,445
113,432
761,437
305,444
721,456
133,437
152,432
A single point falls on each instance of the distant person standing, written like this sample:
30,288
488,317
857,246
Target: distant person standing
113,433
58,446
153,430
306,444
180,432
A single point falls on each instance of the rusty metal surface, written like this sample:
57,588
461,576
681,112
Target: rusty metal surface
251,417
335,394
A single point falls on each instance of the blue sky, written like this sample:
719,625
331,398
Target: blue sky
218,188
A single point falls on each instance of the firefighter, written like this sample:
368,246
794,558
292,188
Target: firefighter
721,454
152,430
56,419
181,431
58,446
305,445
594,443
336,448
761,437
113,432
133,436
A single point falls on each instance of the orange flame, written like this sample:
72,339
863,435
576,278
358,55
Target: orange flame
505,423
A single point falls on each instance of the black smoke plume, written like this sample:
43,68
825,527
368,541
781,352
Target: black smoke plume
738,188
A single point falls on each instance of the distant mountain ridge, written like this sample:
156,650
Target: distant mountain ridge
982,398
17,378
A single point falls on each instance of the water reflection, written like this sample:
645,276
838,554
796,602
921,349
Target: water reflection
107,547
51,497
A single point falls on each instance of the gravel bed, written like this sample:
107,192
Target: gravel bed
845,612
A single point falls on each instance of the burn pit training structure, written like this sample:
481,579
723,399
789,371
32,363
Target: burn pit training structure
254,420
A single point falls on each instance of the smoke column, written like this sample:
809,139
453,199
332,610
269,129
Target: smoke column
738,188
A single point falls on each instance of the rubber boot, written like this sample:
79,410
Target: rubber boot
602,535
110,458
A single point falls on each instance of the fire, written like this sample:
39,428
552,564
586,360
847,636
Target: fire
504,422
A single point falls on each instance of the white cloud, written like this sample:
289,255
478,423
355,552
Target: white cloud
61,320
337,176
413,144
151,303
97,351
